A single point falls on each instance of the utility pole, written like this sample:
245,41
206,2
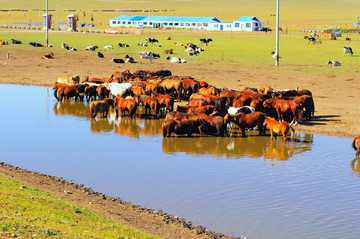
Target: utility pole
47,23
277,33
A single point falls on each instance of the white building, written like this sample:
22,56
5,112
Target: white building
199,23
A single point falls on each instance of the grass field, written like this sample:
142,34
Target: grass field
294,14
249,50
28,212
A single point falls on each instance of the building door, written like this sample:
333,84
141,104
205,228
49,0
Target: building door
221,27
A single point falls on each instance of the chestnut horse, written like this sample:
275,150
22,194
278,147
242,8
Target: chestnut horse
278,127
128,104
207,109
67,91
283,107
187,127
102,106
198,102
165,101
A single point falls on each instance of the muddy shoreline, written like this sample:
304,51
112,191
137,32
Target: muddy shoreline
147,220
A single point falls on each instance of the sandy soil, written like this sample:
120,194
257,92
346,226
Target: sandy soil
336,113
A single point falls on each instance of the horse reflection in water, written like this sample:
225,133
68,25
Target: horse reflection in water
355,166
78,109
101,126
250,147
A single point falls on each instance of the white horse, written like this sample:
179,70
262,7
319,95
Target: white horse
119,89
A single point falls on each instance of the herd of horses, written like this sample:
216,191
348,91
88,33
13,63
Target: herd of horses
209,110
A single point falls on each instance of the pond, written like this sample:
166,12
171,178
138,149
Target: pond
304,188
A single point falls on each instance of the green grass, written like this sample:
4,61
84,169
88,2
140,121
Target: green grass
28,212
242,49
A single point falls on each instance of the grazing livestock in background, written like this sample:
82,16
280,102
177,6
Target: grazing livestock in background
193,53
169,51
102,106
91,48
178,44
148,55
205,40
347,39
332,38
130,59
116,60
47,56
348,50
15,41
334,63
159,45
65,46
143,44
109,47
100,55
175,59
278,127
123,45
3,42
357,141
151,40
34,44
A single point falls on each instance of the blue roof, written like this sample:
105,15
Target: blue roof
247,19
166,19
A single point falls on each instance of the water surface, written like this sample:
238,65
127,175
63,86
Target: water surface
305,188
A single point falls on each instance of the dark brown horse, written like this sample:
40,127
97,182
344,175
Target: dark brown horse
248,121
165,101
65,91
102,106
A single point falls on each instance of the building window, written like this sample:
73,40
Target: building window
237,24
216,25
205,24
118,22
193,24
150,23
182,24
124,23
228,25
248,25
165,23
170,24
129,23
188,24
145,23
114,22
199,24
176,24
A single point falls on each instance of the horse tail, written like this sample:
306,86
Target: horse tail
312,107
55,93
180,90
353,143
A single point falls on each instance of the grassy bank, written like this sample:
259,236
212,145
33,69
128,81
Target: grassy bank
28,212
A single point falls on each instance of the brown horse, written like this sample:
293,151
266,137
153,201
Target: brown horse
128,104
214,124
165,101
356,140
248,121
153,105
67,91
308,103
285,107
197,102
209,91
190,86
207,109
102,92
209,98
102,106
90,92
278,127
180,127
167,86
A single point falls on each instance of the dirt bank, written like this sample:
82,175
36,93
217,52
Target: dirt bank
146,220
